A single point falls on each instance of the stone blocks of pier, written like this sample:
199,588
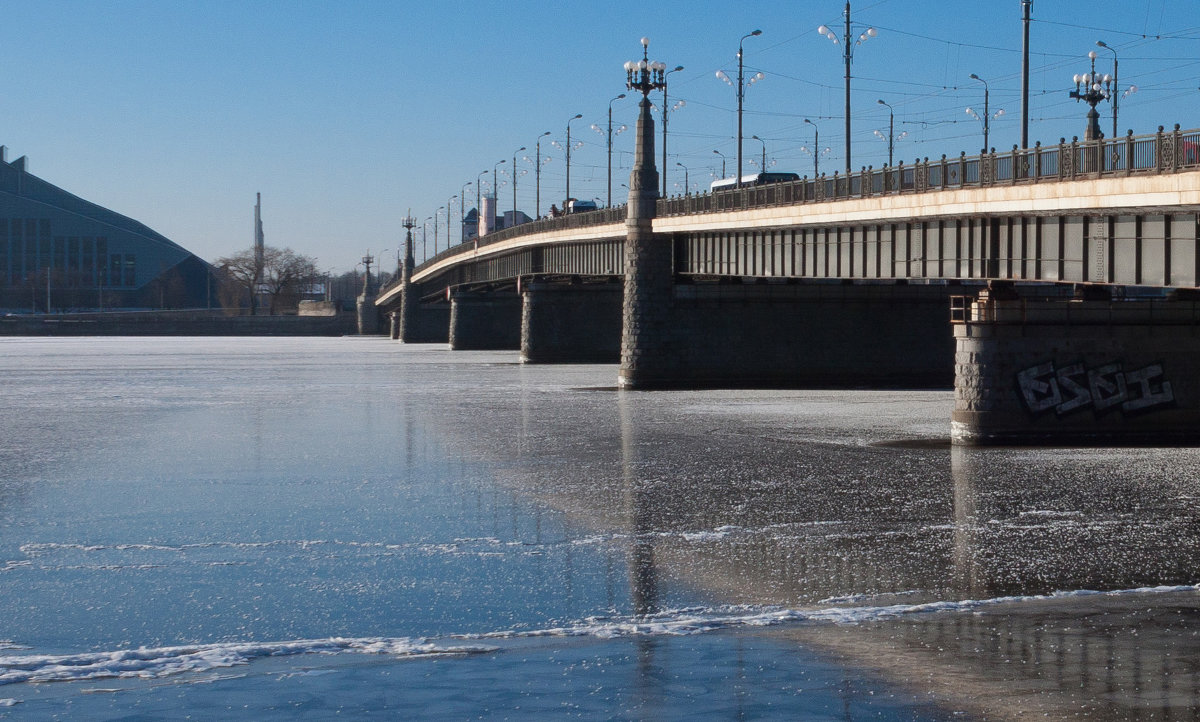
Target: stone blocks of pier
485,321
1077,371
571,323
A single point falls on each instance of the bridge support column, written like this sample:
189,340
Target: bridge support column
485,321
1072,371
417,323
576,323
648,358
368,315
394,324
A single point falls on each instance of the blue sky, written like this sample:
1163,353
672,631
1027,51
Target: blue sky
346,114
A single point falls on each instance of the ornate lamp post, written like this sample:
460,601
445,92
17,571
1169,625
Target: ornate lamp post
610,138
987,117
1092,87
741,95
848,55
665,112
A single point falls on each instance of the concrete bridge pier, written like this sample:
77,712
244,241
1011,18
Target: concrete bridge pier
485,321
571,323
394,324
1076,371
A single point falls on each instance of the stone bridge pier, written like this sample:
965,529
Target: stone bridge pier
483,320
571,322
1076,370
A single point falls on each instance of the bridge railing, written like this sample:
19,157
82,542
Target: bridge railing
602,217
1161,152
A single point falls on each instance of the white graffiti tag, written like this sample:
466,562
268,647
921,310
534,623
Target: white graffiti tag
1074,388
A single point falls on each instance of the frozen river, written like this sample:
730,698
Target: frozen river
304,528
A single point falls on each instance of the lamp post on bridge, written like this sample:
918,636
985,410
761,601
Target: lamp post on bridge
665,112
610,139
462,210
848,55
891,137
478,201
449,206
537,175
762,169
685,177
722,162
577,116
987,118
514,180
1092,88
741,95
816,151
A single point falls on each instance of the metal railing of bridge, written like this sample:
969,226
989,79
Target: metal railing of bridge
1156,153
1161,152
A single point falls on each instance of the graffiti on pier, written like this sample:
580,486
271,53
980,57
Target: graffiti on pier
1074,388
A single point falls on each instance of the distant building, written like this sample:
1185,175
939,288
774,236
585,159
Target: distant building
471,224
58,249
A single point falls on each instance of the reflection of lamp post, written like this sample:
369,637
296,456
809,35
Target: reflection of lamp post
678,105
1092,87
537,175
685,177
722,162
987,119
610,137
568,199
847,55
741,94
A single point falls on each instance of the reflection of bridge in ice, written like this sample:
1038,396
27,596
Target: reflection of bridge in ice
770,505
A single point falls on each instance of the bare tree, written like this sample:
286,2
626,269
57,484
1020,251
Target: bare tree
282,276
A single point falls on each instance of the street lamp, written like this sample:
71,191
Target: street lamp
891,136
449,210
1092,87
987,118
435,225
763,169
577,116
816,151
514,179
425,239
741,94
722,162
847,55
537,175
685,177
1116,94
478,201
678,105
462,211
610,137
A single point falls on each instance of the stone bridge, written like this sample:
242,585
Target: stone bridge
1054,287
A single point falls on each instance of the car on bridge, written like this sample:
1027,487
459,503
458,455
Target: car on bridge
574,206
